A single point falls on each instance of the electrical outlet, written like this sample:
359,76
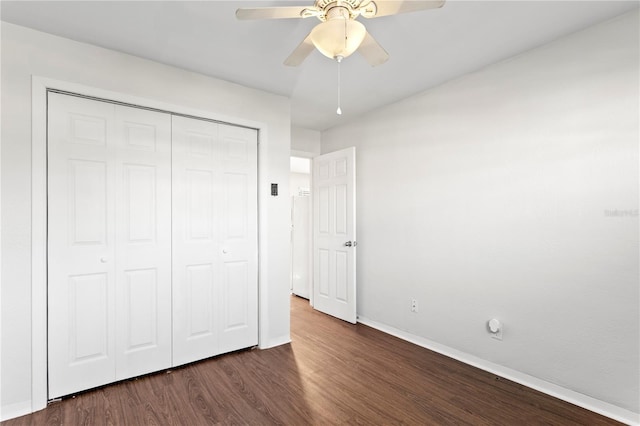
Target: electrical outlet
414,305
495,327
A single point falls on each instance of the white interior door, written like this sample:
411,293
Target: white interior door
108,243
215,294
334,234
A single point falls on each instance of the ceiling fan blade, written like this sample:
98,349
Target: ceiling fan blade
275,12
371,50
300,53
392,7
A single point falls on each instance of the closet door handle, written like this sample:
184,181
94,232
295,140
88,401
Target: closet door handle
104,259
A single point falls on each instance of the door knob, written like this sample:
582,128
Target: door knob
348,244
103,259
224,251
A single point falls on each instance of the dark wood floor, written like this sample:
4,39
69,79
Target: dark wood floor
332,373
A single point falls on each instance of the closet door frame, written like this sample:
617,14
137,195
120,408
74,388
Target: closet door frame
41,86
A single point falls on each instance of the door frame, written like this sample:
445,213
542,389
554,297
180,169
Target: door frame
40,86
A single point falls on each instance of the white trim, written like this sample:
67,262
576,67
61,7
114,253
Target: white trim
39,86
303,154
0,229
38,244
310,155
263,238
576,398
276,341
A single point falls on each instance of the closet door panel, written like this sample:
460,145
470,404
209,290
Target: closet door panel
109,284
214,239
81,248
196,273
238,226
143,241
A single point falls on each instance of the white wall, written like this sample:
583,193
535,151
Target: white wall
494,195
25,53
305,141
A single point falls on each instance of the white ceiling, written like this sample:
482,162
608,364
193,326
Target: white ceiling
426,48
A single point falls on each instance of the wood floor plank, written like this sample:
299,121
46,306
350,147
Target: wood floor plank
331,373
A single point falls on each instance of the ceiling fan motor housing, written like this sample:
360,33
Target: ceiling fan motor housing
329,8
339,34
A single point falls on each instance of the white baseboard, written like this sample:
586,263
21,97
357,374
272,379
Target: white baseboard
272,343
576,398
14,410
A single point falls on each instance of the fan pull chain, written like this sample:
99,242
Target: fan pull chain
339,60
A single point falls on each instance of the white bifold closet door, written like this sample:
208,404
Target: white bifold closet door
215,247
109,243
152,260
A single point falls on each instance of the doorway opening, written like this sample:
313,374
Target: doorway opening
301,229
324,252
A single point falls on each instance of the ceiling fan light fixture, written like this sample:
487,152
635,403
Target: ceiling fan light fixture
338,37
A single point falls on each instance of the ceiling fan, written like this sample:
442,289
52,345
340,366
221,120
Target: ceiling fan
339,34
